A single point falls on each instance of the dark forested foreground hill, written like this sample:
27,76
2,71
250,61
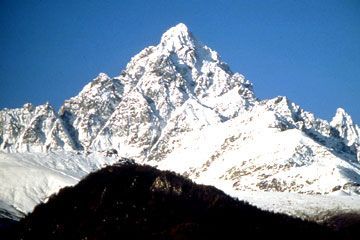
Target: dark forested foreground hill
140,202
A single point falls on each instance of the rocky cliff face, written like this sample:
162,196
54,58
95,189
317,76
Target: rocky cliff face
32,128
85,114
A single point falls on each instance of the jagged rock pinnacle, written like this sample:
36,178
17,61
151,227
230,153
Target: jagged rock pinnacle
176,37
347,129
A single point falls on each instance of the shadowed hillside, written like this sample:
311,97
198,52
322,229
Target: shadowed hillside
7,228
140,202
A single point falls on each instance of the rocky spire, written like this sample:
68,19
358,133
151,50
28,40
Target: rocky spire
177,37
347,129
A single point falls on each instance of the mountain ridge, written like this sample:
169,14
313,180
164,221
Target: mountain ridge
182,51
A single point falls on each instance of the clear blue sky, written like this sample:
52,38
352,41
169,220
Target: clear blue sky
306,50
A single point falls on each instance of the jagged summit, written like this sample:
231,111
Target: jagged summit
167,80
178,37
180,40
342,121
341,118
178,29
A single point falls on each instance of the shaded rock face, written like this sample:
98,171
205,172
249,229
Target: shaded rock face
129,201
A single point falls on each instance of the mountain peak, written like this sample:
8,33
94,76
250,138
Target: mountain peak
103,76
347,129
341,118
179,28
176,37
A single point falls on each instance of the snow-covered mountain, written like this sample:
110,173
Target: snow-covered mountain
32,128
85,114
178,106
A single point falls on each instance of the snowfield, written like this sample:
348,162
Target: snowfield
311,207
30,178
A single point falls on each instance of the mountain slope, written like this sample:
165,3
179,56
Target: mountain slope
85,114
30,178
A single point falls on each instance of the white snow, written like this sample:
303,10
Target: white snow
30,178
310,207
